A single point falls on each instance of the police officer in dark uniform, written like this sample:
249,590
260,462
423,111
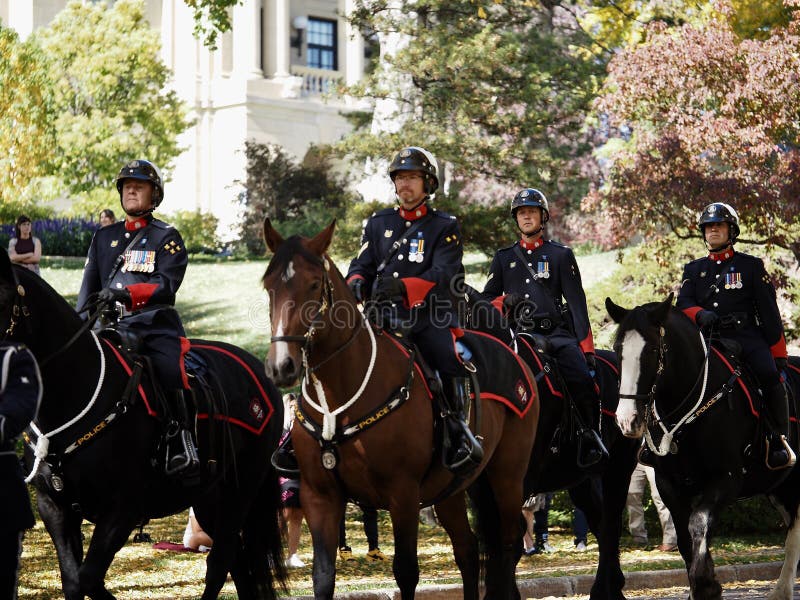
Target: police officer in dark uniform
416,280
20,395
534,277
731,292
138,264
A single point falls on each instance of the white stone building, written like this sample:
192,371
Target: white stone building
265,82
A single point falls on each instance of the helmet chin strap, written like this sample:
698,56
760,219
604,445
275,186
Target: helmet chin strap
728,244
416,206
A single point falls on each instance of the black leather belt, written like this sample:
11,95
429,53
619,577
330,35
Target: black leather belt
734,320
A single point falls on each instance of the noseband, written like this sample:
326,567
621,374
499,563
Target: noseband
667,444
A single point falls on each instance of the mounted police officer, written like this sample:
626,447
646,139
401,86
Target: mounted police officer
137,265
20,396
533,278
731,292
410,263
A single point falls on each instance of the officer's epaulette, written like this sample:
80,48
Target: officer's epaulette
511,247
747,256
440,213
160,224
385,212
558,244
697,260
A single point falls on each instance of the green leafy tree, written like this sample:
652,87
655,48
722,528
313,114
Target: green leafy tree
211,17
110,93
495,89
26,117
705,116
623,23
299,198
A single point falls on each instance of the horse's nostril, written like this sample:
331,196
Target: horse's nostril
287,367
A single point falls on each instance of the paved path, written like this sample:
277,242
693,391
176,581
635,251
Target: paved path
739,582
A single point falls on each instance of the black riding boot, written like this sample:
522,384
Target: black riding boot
465,451
182,456
284,459
779,454
592,453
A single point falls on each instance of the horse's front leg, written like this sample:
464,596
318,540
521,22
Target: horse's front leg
110,533
323,515
64,527
452,514
784,587
404,511
609,581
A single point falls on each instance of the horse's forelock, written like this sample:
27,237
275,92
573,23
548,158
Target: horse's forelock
288,250
637,319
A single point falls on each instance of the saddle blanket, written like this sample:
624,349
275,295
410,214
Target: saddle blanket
502,374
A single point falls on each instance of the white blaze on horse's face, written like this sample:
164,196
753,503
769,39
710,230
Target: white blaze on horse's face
631,370
288,273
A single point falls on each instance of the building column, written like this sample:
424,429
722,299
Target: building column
353,45
247,38
276,30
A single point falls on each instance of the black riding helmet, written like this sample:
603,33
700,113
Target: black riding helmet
719,212
414,158
143,170
530,197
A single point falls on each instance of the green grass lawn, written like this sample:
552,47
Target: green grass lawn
225,301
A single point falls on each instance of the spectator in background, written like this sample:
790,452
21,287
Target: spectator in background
535,510
643,474
370,530
24,249
580,527
194,537
290,494
107,217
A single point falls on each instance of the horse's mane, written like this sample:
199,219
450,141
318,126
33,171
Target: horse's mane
638,319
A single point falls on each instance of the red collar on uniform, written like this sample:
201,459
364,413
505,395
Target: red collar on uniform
720,256
414,213
137,224
532,245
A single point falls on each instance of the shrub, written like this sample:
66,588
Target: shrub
298,198
198,230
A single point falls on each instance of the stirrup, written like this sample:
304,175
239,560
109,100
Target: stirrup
284,459
597,455
466,465
185,462
791,456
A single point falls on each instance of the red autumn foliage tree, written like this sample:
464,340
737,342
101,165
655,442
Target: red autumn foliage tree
703,116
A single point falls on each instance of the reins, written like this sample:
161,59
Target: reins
697,409
42,446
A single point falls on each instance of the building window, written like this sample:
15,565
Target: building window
322,44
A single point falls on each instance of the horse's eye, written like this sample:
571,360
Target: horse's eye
315,285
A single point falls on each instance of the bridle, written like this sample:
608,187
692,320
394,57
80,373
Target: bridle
309,375
667,444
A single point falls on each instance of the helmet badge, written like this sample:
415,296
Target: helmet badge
524,194
405,153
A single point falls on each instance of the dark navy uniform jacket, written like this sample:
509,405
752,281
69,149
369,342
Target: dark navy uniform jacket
731,283
20,396
427,264
152,271
558,280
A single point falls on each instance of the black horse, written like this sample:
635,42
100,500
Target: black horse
553,462
96,437
701,417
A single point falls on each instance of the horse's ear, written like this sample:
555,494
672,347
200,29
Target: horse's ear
661,312
271,235
616,312
320,242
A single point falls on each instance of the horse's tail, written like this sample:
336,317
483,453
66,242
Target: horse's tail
263,540
487,522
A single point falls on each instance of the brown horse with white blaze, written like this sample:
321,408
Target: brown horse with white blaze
366,429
